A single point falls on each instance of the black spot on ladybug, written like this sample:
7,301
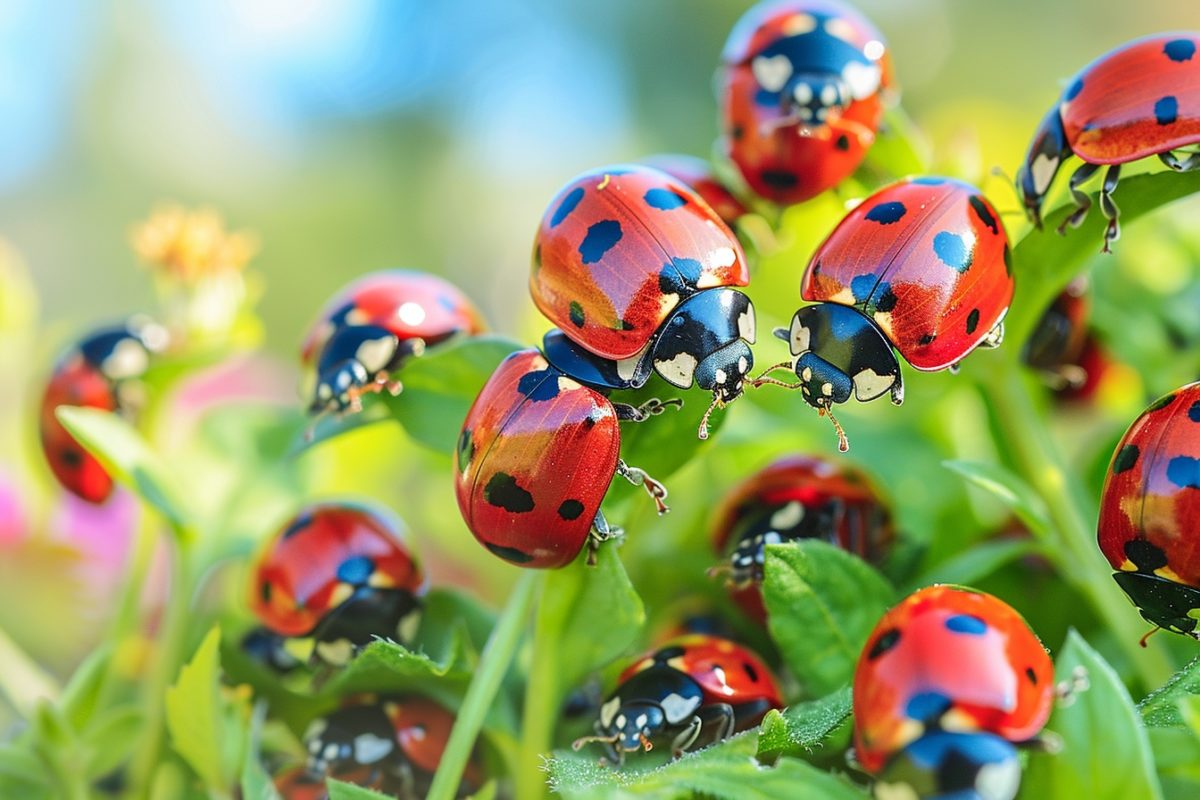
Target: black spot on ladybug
600,238
984,213
664,199
816,268
1184,471
680,276
928,180
567,205
539,385
577,314
71,457
1029,673
887,213
465,450
886,641
1073,90
751,672
667,653
953,251
861,287
779,178
1127,458
264,591
885,298
1145,556
1194,412
623,325
355,570
1166,110
298,524
1161,403
927,707
842,143
926,340
973,320
737,132
1180,49
509,553
1007,259
502,491
570,509
537,256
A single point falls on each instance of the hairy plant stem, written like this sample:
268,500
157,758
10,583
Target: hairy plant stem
493,666
543,696
1072,538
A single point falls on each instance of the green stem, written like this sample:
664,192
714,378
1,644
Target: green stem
22,681
542,700
1072,538
493,665
126,618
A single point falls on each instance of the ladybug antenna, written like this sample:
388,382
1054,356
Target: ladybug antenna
647,745
584,741
827,411
763,379
1149,633
719,570
716,403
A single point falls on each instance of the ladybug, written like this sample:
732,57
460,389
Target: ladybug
698,175
922,265
297,783
691,692
535,457
796,497
1056,346
396,744
949,660
1149,508
1139,100
946,765
371,327
101,371
802,90
269,649
340,575
636,270
1098,368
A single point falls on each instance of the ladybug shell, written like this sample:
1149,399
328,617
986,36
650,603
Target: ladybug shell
1138,100
928,260
410,304
1062,333
1151,498
535,457
298,783
698,175
726,671
317,560
618,248
959,659
788,163
422,731
866,528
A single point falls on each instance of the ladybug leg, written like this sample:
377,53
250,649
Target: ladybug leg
1187,163
711,724
638,477
1069,690
994,337
1109,208
601,532
651,408
1083,200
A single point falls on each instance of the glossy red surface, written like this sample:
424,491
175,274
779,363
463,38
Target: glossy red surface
75,382
725,670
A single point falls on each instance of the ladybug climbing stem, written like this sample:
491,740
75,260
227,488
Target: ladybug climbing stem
638,477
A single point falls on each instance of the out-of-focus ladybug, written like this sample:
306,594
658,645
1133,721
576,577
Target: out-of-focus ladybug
371,327
340,575
950,660
636,270
535,457
1149,508
692,692
1056,346
1139,100
1100,371
297,783
393,745
699,177
922,265
803,90
101,371
796,497
270,649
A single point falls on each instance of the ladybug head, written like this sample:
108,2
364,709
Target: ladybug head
1047,152
777,524
626,727
815,92
358,359
945,764
350,737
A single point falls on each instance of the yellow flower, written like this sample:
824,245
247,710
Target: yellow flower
191,245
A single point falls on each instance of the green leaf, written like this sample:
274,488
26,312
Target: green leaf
386,666
193,708
256,783
340,790
802,728
110,739
1177,761
1009,489
80,695
977,562
1160,708
1105,752
822,603
127,457
18,764
664,443
440,386
1189,710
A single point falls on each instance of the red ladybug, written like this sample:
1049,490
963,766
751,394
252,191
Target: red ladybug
1057,345
396,744
635,269
698,175
297,783
949,660
370,328
692,692
1149,508
1140,100
796,497
340,575
922,265
101,371
536,455
802,92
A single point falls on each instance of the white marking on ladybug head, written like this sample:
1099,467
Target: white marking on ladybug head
678,370
742,365
827,389
874,49
324,392
609,710
802,93
721,376
772,72
620,721
153,335
788,517
862,79
127,360
369,748
805,113
798,24
868,384
376,354
330,752
806,374
829,94
895,791
411,313
356,316
747,325
800,338
678,708
640,721
999,781
1042,170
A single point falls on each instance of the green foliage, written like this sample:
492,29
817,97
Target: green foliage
803,727
340,790
1160,709
1009,489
